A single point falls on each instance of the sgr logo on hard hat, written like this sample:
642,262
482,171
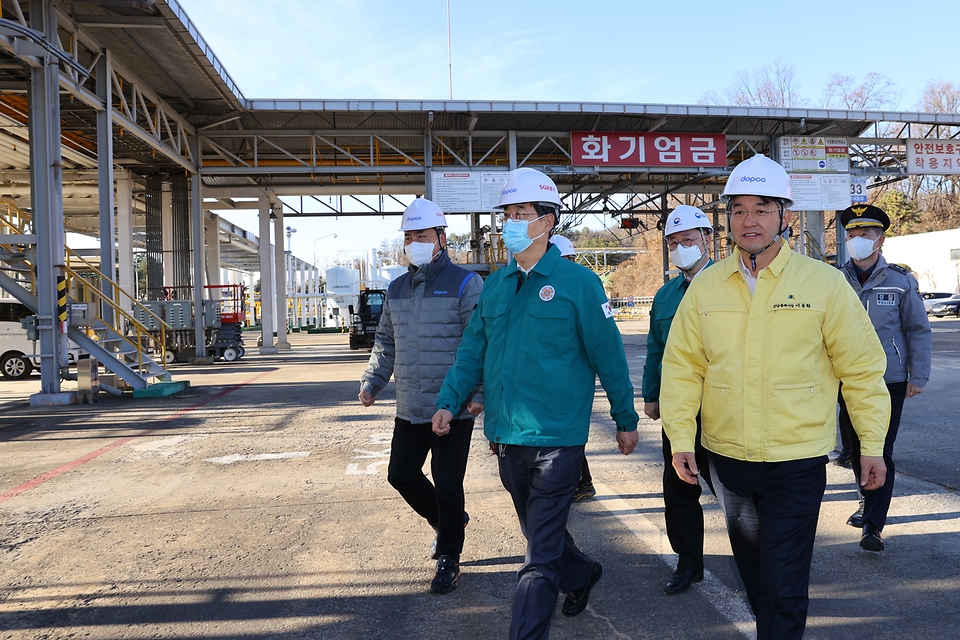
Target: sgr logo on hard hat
546,187
752,179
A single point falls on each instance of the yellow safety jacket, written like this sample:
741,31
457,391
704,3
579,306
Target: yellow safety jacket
766,368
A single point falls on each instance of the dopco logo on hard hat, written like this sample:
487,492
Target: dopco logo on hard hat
752,179
506,191
414,218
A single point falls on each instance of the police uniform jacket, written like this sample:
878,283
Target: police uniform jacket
423,320
767,367
892,300
539,351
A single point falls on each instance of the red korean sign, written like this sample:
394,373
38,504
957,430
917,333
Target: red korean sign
640,149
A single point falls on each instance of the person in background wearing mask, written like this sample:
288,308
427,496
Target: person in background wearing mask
759,346
423,320
688,235
892,299
585,489
542,332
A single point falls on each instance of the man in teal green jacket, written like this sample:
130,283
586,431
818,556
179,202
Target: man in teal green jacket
688,234
541,334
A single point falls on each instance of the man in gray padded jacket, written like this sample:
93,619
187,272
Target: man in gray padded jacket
423,320
892,299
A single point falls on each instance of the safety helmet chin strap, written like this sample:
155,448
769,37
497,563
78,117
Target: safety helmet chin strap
776,238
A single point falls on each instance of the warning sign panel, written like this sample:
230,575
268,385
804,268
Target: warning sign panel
814,154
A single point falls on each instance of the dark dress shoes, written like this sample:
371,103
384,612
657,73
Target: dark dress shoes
681,580
871,540
577,600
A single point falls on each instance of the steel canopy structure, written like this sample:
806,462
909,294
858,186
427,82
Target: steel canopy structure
134,97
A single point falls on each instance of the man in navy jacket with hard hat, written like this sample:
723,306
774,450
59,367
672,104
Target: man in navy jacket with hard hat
892,299
423,319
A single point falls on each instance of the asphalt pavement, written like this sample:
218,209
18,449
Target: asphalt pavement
255,505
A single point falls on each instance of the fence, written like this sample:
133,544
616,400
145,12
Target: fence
632,307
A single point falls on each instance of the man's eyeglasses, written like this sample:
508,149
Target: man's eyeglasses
687,242
517,216
759,214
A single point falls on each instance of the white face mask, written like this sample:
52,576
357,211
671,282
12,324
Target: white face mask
860,248
419,253
685,257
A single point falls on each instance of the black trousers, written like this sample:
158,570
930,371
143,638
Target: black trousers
541,482
441,506
772,510
876,503
682,510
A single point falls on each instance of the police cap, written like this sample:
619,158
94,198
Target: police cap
864,215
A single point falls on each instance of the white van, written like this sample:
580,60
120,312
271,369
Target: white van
17,359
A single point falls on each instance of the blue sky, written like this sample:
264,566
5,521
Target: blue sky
604,50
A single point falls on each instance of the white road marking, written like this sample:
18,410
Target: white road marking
236,457
725,601
353,469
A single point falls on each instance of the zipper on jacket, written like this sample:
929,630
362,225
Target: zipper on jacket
893,339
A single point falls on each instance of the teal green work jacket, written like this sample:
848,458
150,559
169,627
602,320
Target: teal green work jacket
539,351
665,303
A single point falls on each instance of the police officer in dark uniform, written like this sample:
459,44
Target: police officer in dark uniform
892,299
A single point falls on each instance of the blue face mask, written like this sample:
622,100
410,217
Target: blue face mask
515,234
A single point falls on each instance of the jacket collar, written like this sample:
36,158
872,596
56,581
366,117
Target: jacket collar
544,266
776,267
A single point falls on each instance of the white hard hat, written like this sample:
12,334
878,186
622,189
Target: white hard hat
758,176
564,244
528,185
422,214
686,217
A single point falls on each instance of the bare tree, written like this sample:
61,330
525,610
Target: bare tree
876,92
773,85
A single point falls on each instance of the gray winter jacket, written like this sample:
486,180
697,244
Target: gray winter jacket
892,299
423,320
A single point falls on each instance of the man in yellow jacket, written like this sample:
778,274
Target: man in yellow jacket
758,347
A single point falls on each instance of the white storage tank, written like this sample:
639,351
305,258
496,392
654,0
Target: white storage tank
391,273
343,281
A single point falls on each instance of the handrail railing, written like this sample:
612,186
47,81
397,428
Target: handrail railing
117,290
142,333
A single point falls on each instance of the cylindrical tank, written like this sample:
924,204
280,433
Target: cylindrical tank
342,281
391,273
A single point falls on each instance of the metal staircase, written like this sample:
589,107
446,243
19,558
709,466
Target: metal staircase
125,346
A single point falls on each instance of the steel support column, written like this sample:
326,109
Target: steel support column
166,226
281,277
266,280
196,233
108,262
213,250
46,197
126,268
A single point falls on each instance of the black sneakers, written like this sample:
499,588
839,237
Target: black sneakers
433,547
584,491
448,575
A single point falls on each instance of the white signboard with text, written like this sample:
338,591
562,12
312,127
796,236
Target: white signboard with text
933,157
814,154
815,192
467,191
